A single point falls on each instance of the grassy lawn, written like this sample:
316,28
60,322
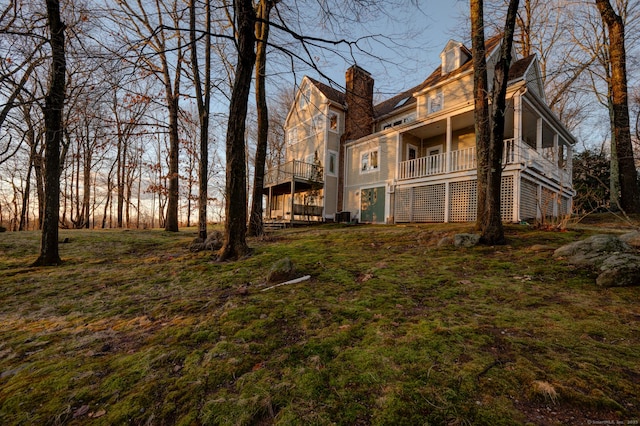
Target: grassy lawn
390,330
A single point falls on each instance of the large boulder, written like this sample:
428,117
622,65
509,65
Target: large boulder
621,276
632,238
593,250
615,260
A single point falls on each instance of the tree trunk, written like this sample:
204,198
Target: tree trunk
481,108
203,99
171,223
235,243
489,221
262,35
628,175
54,104
614,177
24,222
120,175
86,195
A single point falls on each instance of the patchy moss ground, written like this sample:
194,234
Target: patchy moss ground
391,329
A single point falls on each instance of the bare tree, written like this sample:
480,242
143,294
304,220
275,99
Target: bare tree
262,37
156,27
627,173
54,105
235,243
203,99
489,142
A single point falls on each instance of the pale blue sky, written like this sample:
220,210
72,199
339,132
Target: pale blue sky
420,34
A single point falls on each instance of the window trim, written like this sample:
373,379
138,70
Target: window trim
430,149
369,168
331,116
438,94
332,153
410,147
292,136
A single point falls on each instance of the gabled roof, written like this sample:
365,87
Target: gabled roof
386,107
406,98
519,68
332,94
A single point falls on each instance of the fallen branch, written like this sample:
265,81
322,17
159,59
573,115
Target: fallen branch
297,280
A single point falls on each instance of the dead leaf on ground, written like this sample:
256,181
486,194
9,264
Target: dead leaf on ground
98,414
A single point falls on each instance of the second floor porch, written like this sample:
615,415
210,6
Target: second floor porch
516,153
294,171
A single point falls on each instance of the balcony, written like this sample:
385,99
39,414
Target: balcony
515,152
294,171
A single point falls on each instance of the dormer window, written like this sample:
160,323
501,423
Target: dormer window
451,56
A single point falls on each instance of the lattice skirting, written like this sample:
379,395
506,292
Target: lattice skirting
528,200
427,203
535,200
420,204
565,206
463,201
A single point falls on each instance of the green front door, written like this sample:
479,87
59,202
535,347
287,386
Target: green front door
372,205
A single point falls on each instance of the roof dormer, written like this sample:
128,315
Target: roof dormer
453,56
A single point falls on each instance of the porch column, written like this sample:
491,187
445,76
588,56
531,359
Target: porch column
293,191
539,135
556,151
399,139
269,202
448,148
446,202
516,196
517,126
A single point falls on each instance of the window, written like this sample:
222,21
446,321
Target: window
317,123
436,102
412,152
434,150
305,97
450,60
333,122
292,136
369,161
332,165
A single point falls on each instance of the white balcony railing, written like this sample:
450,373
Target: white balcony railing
465,159
293,170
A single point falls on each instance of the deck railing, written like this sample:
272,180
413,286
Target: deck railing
294,170
515,151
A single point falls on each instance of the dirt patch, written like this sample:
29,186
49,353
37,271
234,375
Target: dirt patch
543,414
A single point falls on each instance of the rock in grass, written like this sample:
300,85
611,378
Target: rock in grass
466,240
615,260
621,276
446,241
593,250
282,270
632,238
213,242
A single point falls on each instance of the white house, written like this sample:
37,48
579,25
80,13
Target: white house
412,157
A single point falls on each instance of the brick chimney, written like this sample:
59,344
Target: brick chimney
358,117
359,100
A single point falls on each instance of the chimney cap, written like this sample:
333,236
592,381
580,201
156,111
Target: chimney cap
356,67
